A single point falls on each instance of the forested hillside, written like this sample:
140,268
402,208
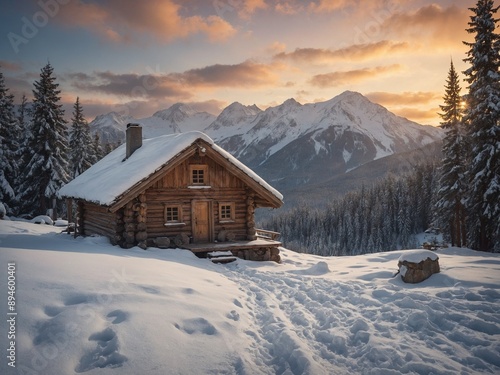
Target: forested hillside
374,218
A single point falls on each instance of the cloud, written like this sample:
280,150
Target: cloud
289,7
426,116
248,74
353,52
433,22
403,98
9,65
118,20
212,106
250,6
339,78
177,86
329,5
129,85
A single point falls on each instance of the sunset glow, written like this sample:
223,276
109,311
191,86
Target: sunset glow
139,57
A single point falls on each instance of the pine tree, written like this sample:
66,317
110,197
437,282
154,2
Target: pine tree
482,118
450,210
9,133
81,145
47,169
97,149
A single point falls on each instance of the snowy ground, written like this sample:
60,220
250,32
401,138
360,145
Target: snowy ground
85,306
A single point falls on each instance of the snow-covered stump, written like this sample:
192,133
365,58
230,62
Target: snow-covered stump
416,266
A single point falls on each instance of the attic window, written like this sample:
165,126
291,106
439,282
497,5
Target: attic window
198,174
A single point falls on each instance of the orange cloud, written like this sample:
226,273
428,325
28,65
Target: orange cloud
250,7
339,78
403,98
353,52
117,19
329,5
441,25
422,116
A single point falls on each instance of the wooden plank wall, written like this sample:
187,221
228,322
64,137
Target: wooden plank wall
158,198
173,189
98,220
218,176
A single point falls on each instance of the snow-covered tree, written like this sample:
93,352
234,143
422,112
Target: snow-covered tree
82,154
450,210
9,134
47,169
482,117
97,148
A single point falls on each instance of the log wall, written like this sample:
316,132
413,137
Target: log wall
98,220
159,198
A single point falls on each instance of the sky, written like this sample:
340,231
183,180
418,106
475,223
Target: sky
137,57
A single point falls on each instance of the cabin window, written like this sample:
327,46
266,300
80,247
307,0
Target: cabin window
199,174
226,211
173,215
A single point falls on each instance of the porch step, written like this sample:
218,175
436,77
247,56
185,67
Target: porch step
221,257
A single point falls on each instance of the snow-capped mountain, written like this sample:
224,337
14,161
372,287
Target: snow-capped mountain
233,120
294,144
291,144
110,127
176,119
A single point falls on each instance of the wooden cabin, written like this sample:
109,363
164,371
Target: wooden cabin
179,190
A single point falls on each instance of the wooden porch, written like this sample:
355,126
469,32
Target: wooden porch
264,248
229,246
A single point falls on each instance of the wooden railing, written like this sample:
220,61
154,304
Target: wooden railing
267,234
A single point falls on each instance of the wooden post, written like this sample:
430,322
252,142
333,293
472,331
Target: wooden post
69,208
250,218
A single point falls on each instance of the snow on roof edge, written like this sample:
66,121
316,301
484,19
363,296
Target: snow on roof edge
110,178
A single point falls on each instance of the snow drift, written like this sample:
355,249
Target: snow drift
85,306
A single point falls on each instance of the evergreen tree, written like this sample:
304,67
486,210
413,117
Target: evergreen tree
482,118
81,145
47,169
9,133
450,210
24,152
98,152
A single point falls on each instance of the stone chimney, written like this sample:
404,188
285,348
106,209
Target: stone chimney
133,139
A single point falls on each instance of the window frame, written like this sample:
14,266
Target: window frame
198,167
176,206
224,219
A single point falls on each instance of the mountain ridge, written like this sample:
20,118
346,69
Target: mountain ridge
293,145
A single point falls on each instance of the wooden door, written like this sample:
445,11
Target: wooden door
201,221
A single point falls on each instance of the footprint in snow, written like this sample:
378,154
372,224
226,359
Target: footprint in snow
118,316
52,311
197,325
105,355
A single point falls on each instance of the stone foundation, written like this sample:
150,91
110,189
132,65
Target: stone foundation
259,254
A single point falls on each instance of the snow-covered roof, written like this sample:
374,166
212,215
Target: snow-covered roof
111,177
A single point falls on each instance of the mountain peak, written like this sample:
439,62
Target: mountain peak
176,112
291,103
